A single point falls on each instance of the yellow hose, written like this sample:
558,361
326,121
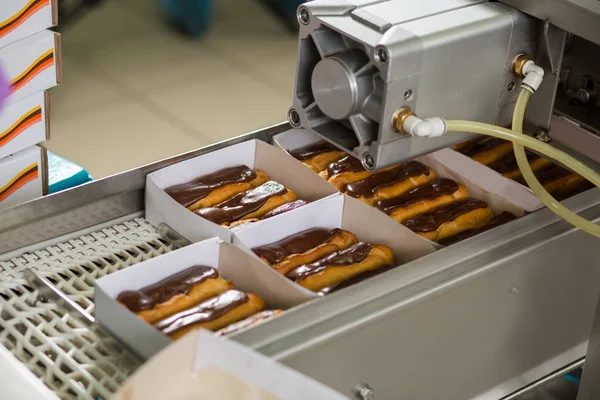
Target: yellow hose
519,140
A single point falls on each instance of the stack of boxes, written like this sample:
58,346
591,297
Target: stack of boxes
30,60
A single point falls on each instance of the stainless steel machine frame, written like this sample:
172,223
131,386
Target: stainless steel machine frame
480,319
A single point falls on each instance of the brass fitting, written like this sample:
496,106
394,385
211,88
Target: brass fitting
399,118
519,62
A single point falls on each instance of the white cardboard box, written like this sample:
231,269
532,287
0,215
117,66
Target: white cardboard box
233,264
23,177
202,366
367,223
32,65
161,208
22,18
24,124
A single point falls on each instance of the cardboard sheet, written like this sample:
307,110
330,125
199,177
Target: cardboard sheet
161,208
233,264
367,223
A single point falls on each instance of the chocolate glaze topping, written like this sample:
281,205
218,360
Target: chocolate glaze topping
551,174
355,279
295,244
368,186
346,164
188,193
206,311
307,152
351,255
180,283
509,163
250,321
428,191
285,208
432,220
498,220
242,203
480,146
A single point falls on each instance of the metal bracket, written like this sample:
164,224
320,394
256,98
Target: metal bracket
553,39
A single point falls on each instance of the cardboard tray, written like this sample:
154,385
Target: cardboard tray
23,177
22,18
367,223
161,208
24,124
32,65
232,263
205,367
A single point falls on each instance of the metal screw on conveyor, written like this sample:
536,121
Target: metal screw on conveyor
543,136
363,391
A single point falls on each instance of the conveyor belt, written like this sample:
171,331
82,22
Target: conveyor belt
67,356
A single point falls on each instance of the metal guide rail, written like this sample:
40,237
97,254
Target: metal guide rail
77,236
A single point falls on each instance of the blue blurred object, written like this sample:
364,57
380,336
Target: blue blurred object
63,174
193,16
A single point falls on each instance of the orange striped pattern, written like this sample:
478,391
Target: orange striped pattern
45,61
30,118
27,175
16,20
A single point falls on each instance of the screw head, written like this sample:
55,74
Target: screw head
407,94
381,55
368,161
511,86
303,15
294,118
362,391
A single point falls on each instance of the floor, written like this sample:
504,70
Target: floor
136,91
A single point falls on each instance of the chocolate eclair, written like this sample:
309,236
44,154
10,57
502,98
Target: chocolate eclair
249,322
344,165
451,219
285,208
175,293
247,205
500,219
211,189
341,265
509,168
560,182
391,182
213,314
304,247
354,280
318,156
423,198
487,150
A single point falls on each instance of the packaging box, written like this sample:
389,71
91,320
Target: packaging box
203,366
161,208
233,264
32,65
23,177
22,18
24,124
367,223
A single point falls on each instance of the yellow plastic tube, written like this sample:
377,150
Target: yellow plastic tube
519,139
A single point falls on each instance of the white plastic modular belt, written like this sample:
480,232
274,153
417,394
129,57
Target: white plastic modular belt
72,360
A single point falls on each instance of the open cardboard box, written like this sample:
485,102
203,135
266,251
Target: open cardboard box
23,177
201,366
21,18
367,223
256,154
233,264
24,124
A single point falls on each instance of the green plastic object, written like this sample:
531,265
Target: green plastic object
63,174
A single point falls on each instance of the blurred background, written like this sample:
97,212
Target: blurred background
139,86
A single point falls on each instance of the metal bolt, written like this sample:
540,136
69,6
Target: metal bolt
381,55
511,86
407,94
294,118
368,161
303,15
362,391
583,95
543,136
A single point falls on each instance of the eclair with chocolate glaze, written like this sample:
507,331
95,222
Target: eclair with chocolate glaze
341,265
304,248
175,293
318,156
211,189
422,199
390,183
487,150
213,314
248,205
449,220
347,170
354,280
249,322
560,181
500,219
509,168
